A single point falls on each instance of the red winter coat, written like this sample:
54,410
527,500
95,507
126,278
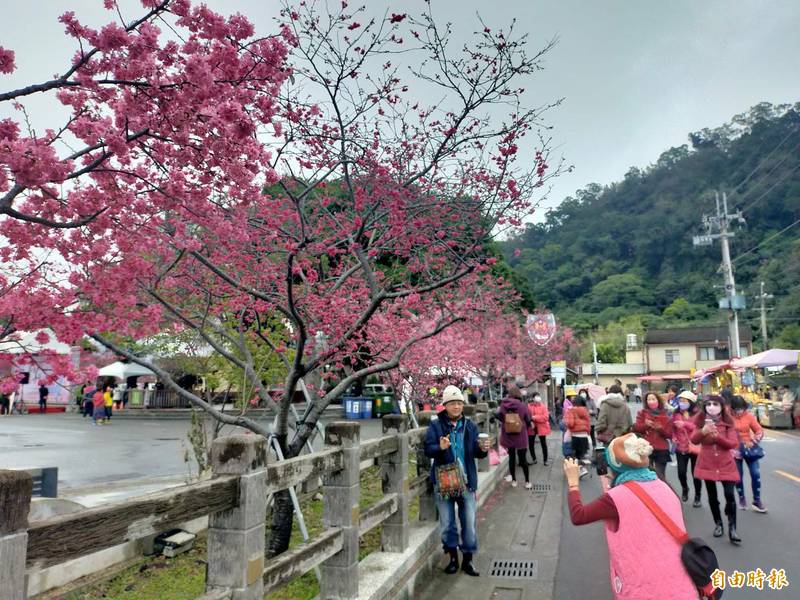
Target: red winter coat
681,435
715,462
659,433
577,420
540,419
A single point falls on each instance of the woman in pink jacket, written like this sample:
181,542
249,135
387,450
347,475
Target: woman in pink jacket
682,429
539,427
717,436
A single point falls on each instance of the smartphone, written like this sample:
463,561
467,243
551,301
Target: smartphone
600,460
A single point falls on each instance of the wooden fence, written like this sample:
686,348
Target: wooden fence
235,501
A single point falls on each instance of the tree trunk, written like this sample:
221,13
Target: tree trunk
280,531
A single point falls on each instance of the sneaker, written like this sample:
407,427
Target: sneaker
697,503
528,485
514,483
546,463
759,507
685,496
586,461
742,503
508,478
583,472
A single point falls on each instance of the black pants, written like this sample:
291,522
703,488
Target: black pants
591,435
513,455
684,458
730,500
532,446
580,446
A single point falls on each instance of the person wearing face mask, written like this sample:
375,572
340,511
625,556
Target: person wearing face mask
682,429
653,423
591,407
539,427
628,521
750,434
717,436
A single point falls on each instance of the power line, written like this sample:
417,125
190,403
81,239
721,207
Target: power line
772,187
764,160
770,238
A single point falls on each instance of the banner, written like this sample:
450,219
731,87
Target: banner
541,327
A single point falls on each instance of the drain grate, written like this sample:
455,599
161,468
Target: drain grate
514,568
541,487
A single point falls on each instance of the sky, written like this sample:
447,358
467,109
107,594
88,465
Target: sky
635,76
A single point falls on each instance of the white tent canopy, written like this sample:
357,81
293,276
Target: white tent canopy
124,370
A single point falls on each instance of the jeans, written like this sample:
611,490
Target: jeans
467,514
532,446
684,458
755,478
730,500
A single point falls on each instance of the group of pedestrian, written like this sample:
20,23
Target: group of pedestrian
98,403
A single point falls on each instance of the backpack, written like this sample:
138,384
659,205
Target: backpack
697,557
512,423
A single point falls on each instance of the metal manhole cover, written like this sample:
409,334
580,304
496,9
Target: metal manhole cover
541,487
514,569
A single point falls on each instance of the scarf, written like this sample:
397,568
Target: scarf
457,440
628,473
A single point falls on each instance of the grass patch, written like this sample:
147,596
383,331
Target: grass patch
183,577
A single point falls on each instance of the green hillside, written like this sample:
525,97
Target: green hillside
619,258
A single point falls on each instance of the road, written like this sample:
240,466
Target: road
88,455
769,540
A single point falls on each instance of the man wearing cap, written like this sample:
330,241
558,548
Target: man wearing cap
451,438
635,571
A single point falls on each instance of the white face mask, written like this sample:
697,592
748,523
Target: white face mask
537,398
713,409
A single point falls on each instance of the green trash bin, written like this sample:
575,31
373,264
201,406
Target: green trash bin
383,399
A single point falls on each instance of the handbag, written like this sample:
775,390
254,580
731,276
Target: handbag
754,452
451,481
697,557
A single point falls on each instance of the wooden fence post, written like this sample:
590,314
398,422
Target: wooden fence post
15,503
236,536
427,501
482,419
394,476
341,492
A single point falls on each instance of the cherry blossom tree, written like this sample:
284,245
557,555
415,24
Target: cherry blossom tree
162,114
291,192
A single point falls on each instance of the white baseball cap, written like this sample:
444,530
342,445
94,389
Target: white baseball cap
451,394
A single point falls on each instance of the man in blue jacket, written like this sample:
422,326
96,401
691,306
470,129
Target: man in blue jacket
450,438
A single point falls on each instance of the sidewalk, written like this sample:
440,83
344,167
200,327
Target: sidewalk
516,526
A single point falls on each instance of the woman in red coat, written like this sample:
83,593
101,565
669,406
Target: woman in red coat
654,425
579,425
717,436
540,426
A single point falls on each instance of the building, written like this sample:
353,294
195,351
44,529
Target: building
627,373
675,353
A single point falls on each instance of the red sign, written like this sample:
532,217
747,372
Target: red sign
541,327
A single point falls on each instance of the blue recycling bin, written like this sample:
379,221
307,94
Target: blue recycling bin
352,407
366,408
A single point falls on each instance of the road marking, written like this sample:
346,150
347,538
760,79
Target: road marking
788,475
783,434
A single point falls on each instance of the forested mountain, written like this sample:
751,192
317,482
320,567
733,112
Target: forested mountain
619,258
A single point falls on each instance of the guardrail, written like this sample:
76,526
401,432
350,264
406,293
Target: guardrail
235,500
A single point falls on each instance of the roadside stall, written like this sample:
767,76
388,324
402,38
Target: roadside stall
778,411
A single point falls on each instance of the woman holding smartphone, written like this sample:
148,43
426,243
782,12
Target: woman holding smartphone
716,434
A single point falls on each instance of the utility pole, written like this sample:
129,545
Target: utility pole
718,228
762,297
594,362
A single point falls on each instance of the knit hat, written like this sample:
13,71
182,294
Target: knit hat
629,450
452,393
687,395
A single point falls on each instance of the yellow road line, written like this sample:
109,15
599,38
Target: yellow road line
788,475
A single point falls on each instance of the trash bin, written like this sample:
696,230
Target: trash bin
384,404
352,408
366,408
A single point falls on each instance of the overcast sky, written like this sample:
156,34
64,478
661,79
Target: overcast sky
636,76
